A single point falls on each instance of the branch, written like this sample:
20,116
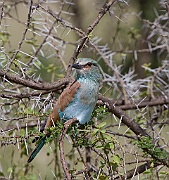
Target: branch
62,21
138,104
130,123
12,128
2,12
61,146
23,95
113,69
24,36
81,45
125,119
167,7
86,169
135,171
43,42
34,84
152,82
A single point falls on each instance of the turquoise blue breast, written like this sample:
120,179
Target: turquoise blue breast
84,102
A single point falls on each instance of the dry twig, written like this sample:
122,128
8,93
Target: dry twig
61,146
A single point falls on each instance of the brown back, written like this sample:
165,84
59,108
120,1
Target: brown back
63,101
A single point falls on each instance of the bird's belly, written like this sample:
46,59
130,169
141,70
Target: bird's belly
83,104
78,110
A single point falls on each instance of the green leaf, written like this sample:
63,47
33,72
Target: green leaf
103,131
111,145
148,171
101,125
102,177
116,159
164,172
95,131
108,137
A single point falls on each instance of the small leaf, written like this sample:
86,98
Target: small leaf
148,171
103,131
164,172
109,138
116,159
102,177
95,131
111,145
101,125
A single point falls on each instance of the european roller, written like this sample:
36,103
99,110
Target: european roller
77,100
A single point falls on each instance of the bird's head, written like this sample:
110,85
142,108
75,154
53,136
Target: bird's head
87,68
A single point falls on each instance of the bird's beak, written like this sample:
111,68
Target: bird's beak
77,66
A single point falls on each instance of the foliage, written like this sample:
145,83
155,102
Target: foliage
127,135
146,143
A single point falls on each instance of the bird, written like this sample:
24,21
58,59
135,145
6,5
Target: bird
77,100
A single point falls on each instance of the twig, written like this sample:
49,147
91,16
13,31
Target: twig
137,104
2,12
114,70
8,140
62,21
23,38
136,128
141,50
88,156
34,84
167,7
61,146
12,128
86,171
45,39
23,95
156,73
135,171
81,45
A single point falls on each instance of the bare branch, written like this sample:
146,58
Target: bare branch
61,146
140,132
23,37
137,104
33,84
138,170
81,45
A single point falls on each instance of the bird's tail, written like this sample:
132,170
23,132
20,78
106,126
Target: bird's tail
37,149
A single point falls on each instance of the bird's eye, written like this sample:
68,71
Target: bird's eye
89,64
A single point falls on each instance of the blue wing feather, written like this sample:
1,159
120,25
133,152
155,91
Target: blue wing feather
37,149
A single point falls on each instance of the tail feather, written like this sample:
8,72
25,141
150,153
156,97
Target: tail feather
37,149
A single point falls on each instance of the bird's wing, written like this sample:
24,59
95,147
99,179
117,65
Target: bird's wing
63,101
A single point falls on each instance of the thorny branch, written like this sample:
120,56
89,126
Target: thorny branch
61,146
23,37
116,107
56,86
45,39
153,79
140,132
137,104
137,170
33,84
113,70
167,7
86,169
81,45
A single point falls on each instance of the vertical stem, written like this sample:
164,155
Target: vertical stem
61,146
